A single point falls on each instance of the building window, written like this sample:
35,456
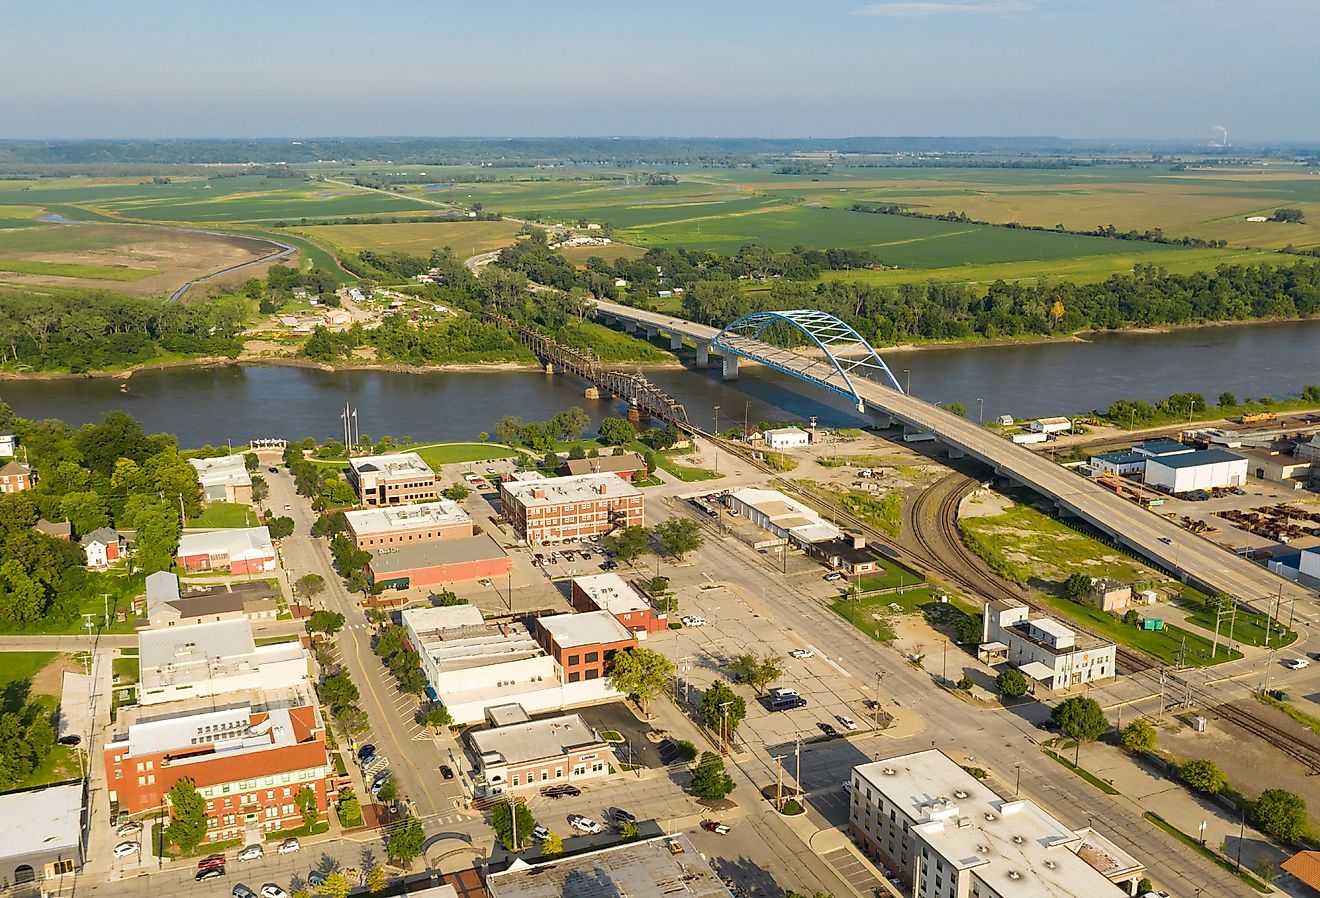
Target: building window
572,660
592,657
574,676
593,674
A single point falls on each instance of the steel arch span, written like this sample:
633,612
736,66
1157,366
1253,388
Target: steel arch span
847,355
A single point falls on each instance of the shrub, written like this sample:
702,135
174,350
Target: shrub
1012,683
686,750
1203,776
1138,736
1280,813
791,808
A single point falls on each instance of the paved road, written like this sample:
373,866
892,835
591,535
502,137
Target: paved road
1150,534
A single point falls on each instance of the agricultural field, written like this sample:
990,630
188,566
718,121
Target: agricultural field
466,238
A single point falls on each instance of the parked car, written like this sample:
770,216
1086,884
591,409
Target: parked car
714,826
491,471
379,779
446,771
693,621
540,833
584,824
847,787
827,728
241,891
288,846
71,739
271,890
1296,663
366,752
561,791
832,576
124,849
619,815
132,828
209,873
211,860
846,722
272,470
801,653
610,565
251,853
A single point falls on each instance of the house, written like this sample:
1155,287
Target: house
103,547
224,479
584,645
1050,425
570,507
299,292
41,835
399,478
239,550
1202,469
1043,649
15,477
528,754
849,554
625,465
781,438
610,592
8,443
1109,595
57,530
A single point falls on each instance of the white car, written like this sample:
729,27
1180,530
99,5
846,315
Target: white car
847,787
832,576
124,849
288,846
132,828
846,722
271,890
802,653
251,853
691,621
1296,663
584,824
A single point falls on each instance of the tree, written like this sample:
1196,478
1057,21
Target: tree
722,709
483,436
336,885
1011,683
629,831
508,428
758,672
250,461
503,818
1281,814
553,846
616,432
957,408
570,423
86,511
679,536
339,691
1203,775
641,673
436,716
388,791
1227,399
327,622
187,827
710,781
306,800
260,488
1081,719
628,544
309,586
1076,586
376,880
1138,736
456,492
280,527
349,809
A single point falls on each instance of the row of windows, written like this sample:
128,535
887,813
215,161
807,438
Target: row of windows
580,770
251,798
592,674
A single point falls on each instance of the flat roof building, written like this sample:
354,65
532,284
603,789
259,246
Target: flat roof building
947,835
396,479
532,753
41,834
1120,463
1161,447
583,645
786,518
215,658
610,592
239,550
438,562
1043,649
1203,469
781,438
666,865
570,507
224,479
408,524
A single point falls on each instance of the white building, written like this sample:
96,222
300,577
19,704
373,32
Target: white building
41,836
787,518
102,546
1050,425
1043,649
947,835
1118,463
215,658
1303,567
782,438
665,865
8,442
1158,448
224,479
1200,470
399,478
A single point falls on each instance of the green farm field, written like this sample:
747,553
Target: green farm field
417,238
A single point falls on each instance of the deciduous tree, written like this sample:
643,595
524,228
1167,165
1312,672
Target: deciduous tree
679,536
640,672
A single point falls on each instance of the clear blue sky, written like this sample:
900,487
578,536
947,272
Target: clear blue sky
1070,68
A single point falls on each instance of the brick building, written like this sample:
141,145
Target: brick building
583,645
534,753
570,507
610,592
398,479
438,562
15,477
408,524
239,550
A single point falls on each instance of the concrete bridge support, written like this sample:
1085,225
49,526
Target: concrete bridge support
591,393
549,367
954,451
675,342
630,326
881,420
651,331
703,355
730,367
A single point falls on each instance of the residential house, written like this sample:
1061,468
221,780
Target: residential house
15,477
103,547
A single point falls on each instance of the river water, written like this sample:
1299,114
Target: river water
238,403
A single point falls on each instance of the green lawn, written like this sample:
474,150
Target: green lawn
891,575
1249,627
112,592
225,514
16,667
685,473
866,613
1163,644
456,453
125,671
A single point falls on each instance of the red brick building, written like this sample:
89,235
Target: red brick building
438,562
249,765
610,592
570,507
15,477
583,645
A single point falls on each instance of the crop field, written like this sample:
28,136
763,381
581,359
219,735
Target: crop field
136,259
466,238
579,255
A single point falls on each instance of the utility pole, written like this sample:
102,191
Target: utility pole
797,773
779,783
1017,783
945,657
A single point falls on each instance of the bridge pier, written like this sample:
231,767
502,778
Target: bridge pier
703,355
651,331
591,393
630,326
955,451
638,415
730,367
882,421
549,367
675,342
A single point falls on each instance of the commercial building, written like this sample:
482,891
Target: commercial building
1043,649
610,592
532,753
15,477
213,659
398,479
408,524
249,760
102,547
583,645
787,519
224,479
239,550
848,553
947,835
666,865
1050,425
1119,463
472,665
1109,595
438,563
781,438
1202,469
168,607
1277,466
570,507
623,466
41,835
1301,567
1159,448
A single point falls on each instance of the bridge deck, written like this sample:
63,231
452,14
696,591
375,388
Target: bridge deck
1164,542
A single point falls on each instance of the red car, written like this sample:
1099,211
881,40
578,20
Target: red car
213,860
714,826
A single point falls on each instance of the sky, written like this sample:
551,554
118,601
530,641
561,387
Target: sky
1166,69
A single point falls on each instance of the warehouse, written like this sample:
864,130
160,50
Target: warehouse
1202,470
438,563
